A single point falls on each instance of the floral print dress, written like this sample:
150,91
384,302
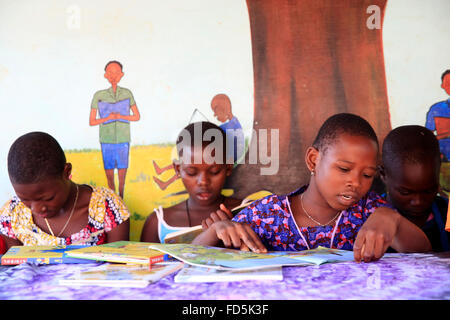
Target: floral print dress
106,211
272,220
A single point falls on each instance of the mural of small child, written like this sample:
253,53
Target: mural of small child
203,182
221,106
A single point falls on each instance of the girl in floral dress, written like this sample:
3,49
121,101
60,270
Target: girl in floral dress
49,208
334,210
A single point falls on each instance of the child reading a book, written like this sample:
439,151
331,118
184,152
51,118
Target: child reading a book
202,166
49,208
334,210
410,171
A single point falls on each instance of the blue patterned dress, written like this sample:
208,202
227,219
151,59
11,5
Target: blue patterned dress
271,219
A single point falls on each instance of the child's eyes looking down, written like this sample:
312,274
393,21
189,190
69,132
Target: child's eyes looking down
345,170
194,171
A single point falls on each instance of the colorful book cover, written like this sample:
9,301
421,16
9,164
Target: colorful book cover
40,255
121,252
199,274
183,236
223,258
122,275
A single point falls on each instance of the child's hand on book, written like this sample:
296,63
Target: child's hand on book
376,235
222,214
238,235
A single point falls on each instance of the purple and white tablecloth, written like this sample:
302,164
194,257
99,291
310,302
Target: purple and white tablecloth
395,276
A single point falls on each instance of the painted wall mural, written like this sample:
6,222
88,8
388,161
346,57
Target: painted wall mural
272,70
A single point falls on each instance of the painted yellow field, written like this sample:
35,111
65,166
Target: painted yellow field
141,193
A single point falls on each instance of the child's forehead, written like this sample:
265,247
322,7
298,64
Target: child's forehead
422,168
38,188
193,156
354,149
345,141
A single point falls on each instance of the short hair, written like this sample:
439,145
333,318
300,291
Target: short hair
446,72
410,144
34,157
195,128
343,123
114,61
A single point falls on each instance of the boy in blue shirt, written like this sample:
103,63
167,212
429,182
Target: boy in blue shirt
410,172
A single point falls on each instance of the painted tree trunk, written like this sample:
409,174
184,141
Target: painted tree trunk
311,59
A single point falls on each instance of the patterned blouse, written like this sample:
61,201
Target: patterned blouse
272,220
106,211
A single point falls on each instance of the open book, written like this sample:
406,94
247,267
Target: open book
119,275
106,108
183,236
225,259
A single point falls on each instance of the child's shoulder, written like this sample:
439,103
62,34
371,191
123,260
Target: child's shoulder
269,202
174,210
231,202
442,206
12,205
103,192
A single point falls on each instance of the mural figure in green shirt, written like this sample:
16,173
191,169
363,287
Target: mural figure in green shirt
113,109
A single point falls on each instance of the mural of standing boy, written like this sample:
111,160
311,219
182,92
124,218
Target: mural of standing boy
221,106
438,119
113,105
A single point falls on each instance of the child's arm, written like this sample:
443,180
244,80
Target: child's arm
150,229
238,235
119,233
7,242
386,227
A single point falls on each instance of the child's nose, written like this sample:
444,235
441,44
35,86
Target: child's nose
38,207
354,180
417,200
203,179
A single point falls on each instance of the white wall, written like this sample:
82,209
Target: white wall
177,55
416,39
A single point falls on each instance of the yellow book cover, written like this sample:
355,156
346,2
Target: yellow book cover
122,252
40,255
122,275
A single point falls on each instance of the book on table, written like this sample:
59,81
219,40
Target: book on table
225,259
133,252
41,255
191,273
122,275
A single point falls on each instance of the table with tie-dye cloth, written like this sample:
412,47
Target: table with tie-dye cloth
395,276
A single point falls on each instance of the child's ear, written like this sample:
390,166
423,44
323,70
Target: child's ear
176,167
311,158
382,172
67,172
229,169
